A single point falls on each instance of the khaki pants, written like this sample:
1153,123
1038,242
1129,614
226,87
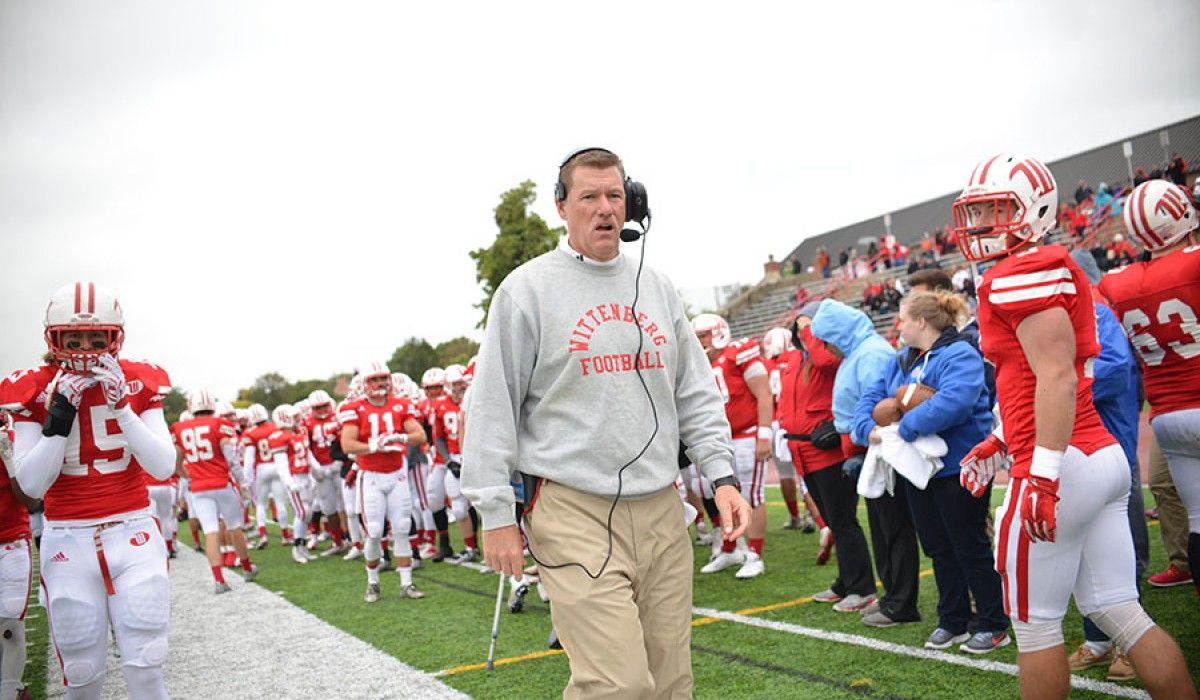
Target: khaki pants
628,633
1172,516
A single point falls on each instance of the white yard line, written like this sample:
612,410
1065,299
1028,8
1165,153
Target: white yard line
251,643
915,652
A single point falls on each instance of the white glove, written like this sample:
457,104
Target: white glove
388,442
112,379
72,386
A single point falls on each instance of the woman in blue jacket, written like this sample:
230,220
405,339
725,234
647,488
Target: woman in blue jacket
951,524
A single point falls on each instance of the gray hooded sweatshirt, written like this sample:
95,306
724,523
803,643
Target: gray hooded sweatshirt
556,394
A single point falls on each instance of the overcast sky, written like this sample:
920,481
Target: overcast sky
294,186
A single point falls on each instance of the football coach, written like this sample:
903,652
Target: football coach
588,377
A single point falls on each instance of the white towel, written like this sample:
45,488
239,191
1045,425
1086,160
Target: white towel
916,461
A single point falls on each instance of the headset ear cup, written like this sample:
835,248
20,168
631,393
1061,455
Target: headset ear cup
636,208
560,191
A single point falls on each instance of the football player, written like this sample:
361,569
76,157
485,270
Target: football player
1157,303
750,408
433,383
88,424
292,462
15,568
377,429
448,411
1062,529
322,427
260,444
349,493
206,445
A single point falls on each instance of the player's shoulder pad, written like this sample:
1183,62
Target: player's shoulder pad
23,387
153,377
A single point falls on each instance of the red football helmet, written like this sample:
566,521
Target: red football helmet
1009,202
1158,213
83,307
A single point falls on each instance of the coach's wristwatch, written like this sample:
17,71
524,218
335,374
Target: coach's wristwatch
727,481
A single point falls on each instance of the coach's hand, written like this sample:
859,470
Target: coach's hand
504,551
735,512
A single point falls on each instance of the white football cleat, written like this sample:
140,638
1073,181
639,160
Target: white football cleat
372,594
429,551
298,555
722,561
354,553
410,591
754,566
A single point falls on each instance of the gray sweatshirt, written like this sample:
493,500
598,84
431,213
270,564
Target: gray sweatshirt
556,395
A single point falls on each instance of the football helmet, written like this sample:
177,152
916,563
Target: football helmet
355,389
370,371
1009,202
226,410
83,307
1158,213
257,413
284,416
242,417
456,381
776,342
433,376
200,400
321,403
712,323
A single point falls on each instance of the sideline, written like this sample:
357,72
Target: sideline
1077,682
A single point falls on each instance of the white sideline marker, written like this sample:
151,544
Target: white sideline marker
879,645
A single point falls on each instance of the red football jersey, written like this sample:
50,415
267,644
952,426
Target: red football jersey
100,476
730,368
297,449
1018,287
14,518
322,432
1157,303
259,437
447,417
199,439
373,421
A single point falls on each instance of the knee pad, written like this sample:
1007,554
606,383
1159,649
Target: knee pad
75,624
1036,636
1125,623
149,605
77,673
371,549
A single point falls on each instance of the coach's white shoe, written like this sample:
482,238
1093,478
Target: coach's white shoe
754,566
298,555
372,594
722,561
353,554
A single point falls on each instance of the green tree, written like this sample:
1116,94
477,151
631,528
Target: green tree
271,389
455,351
174,403
413,358
523,236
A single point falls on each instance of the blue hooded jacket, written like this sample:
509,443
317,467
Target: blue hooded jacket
959,410
1115,382
866,356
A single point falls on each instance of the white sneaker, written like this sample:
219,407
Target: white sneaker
754,566
853,603
312,556
410,591
722,561
372,594
353,554
429,551
298,555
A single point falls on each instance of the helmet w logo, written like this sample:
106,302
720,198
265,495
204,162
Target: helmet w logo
1037,175
1172,204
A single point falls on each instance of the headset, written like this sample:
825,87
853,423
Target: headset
637,209
637,206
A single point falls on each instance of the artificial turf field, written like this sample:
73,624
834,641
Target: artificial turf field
447,633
